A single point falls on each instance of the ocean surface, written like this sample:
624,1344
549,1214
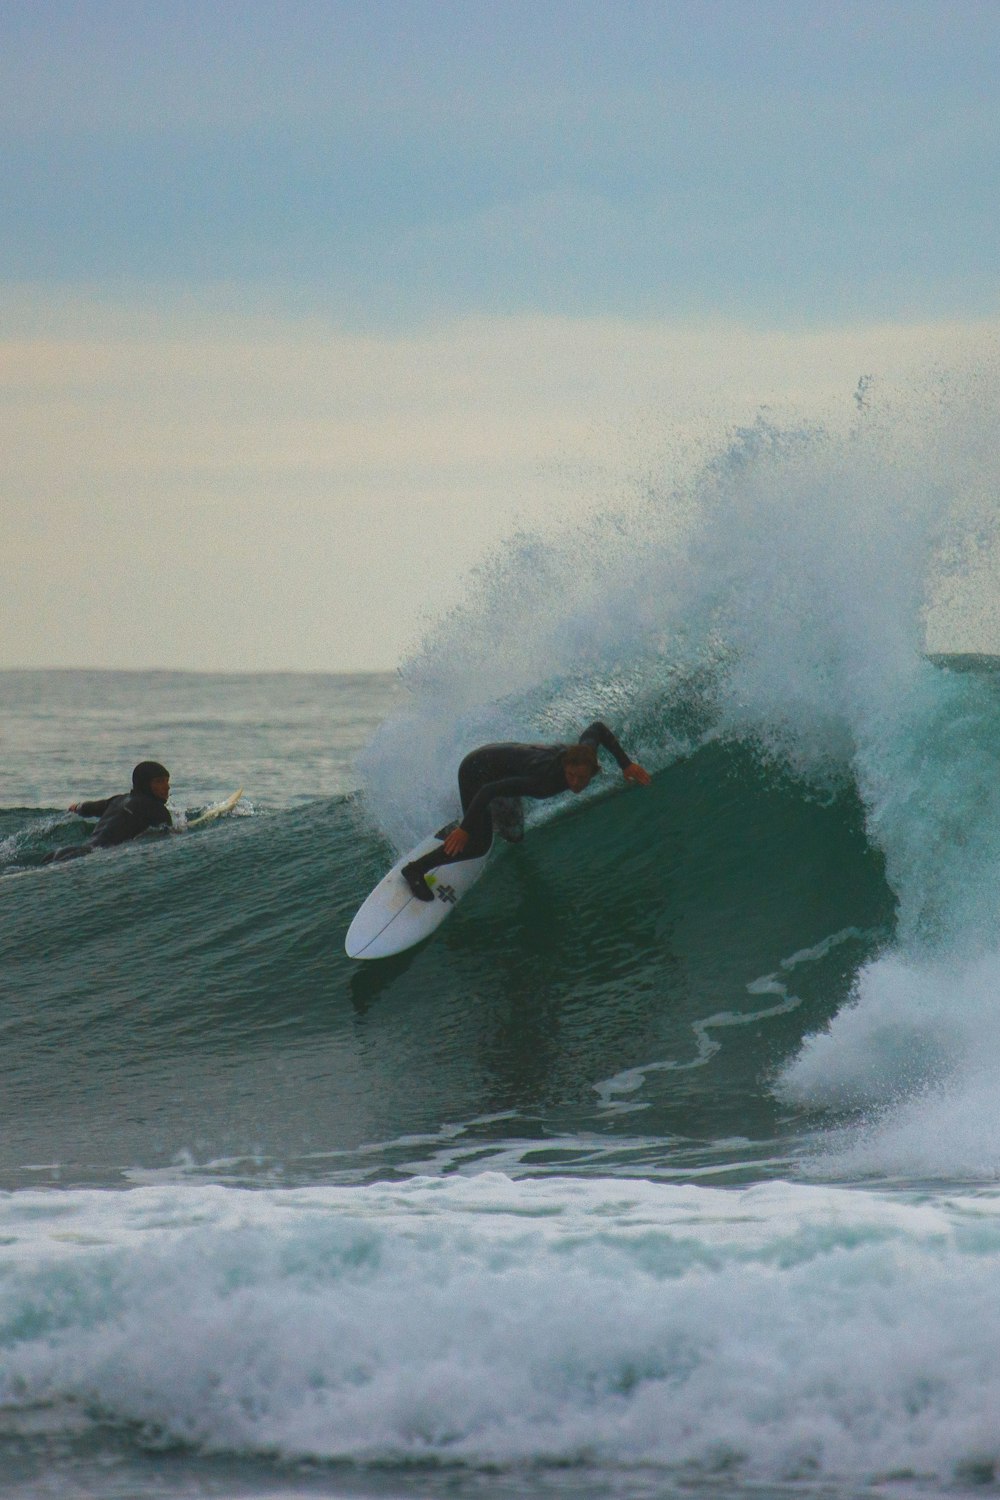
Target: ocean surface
669,1167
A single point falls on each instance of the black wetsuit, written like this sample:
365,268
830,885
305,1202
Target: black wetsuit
121,818
510,771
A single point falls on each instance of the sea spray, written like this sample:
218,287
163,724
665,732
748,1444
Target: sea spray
793,568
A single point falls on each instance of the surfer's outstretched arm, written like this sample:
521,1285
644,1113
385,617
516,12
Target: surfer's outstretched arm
598,733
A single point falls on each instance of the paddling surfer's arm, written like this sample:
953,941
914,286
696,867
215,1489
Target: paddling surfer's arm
91,809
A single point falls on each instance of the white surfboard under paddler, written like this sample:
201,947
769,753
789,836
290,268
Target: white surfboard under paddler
216,810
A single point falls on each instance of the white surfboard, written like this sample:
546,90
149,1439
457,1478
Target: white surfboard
216,810
394,919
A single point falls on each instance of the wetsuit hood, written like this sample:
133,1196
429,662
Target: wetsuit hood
145,772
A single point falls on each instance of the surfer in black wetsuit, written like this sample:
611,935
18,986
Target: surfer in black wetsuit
493,779
126,816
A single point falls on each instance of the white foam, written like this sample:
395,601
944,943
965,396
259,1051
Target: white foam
776,1332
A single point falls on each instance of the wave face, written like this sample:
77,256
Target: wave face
652,954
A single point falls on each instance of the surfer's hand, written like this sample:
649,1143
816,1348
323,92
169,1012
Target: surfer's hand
456,841
73,807
634,772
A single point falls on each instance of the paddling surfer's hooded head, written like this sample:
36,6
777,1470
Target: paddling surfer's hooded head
152,779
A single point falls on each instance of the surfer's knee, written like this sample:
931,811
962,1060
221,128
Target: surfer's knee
508,818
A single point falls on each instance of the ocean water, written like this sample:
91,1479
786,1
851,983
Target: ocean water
669,1167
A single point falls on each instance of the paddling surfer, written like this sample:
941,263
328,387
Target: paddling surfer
125,816
493,779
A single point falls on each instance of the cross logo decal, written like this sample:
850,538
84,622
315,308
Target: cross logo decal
445,893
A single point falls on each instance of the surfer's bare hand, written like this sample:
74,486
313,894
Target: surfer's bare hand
456,841
634,772
72,807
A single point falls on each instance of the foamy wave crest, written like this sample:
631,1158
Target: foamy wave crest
485,1322
794,567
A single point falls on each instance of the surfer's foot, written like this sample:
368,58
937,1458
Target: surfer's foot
415,880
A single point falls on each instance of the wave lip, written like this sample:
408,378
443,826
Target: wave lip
483,1322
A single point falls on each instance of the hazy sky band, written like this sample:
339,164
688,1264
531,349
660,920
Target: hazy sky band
762,159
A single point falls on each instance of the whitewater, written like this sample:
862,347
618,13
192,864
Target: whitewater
671,1164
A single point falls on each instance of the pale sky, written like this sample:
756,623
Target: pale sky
304,304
